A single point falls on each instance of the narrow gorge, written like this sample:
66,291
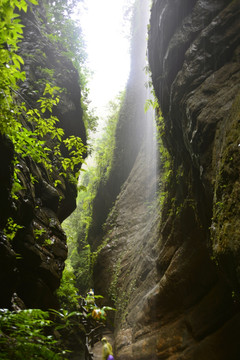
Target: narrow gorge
172,264
162,242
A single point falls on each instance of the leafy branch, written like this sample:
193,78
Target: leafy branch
30,129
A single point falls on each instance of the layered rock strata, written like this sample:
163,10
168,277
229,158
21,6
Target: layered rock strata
31,264
174,275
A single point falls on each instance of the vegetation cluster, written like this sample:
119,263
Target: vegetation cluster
35,133
81,258
44,335
31,130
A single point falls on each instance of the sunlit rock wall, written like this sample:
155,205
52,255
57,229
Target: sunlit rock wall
173,273
31,264
130,128
125,272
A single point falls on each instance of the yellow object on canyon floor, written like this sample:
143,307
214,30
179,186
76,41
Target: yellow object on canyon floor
107,353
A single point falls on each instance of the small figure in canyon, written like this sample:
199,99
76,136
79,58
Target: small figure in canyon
99,314
107,353
90,300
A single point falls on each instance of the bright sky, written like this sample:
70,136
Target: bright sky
107,47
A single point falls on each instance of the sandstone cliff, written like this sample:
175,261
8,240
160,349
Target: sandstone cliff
31,264
173,273
130,129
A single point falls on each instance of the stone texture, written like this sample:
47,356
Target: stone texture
31,264
130,129
173,273
197,89
126,272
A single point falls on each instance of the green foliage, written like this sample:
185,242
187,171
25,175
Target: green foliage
30,129
30,334
120,296
160,126
123,300
166,162
224,229
23,336
113,289
104,147
10,61
97,313
70,299
33,142
67,33
164,154
38,233
67,292
151,103
78,224
47,242
76,149
89,118
11,228
66,319
10,34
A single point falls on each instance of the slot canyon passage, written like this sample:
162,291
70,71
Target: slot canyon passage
156,230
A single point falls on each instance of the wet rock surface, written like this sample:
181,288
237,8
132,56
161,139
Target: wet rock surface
173,273
31,264
97,348
195,73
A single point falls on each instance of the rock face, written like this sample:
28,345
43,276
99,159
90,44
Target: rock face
173,272
31,264
129,132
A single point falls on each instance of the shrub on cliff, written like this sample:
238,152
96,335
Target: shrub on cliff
23,336
30,129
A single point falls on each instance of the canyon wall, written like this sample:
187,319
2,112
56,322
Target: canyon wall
130,128
172,268
31,264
